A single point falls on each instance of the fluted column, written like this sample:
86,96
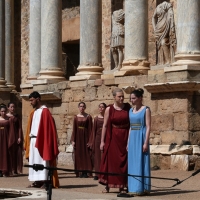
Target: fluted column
9,43
51,40
90,39
136,37
188,33
34,39
2,43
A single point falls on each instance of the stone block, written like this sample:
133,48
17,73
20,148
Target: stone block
64,135
52,88
91,83
57,121
197,164
196,149
194,137
178,137
63,85
180,162
67,96
65,159
181,121
90,93
104,92
172,105
163,122
40,88
171,149
78,84
109,82
151,103
62,148
78,94
71,29
70,149
165,162
98,82
194,120
140,81
126,79
60,108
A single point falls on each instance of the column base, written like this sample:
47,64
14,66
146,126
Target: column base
187,59
52,74
87,72
11,86
133,67
3,83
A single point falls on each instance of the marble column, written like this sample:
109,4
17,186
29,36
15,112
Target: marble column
51,40
2,44
136,37
9,43
188,34
90,39
34,39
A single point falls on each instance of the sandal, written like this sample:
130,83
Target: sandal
34,185
106,190
122,190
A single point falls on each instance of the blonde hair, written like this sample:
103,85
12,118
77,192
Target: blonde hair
115,90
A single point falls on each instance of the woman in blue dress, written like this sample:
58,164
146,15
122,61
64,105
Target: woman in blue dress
138,145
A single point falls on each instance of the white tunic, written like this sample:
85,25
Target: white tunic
34,156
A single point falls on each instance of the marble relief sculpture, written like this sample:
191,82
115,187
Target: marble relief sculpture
117,39
164,32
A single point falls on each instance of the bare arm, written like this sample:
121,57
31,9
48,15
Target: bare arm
148,128
104,128
154,21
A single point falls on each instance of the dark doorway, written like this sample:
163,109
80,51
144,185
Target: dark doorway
71,57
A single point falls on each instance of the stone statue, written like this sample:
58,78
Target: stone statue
117,39
164,32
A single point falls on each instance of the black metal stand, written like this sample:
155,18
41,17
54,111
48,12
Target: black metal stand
49,184
37,167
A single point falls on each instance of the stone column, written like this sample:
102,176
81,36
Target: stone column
90,40
136,38
188,34
34,39
51,40
9,43
2,44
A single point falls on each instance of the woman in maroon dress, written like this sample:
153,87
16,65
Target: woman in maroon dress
15,143
97,129
82,130
114,142
4,133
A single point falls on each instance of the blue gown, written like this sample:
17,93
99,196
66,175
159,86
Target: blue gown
138,162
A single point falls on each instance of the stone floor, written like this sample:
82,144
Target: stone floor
87,188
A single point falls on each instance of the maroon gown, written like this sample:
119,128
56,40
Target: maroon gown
15,149
114,158
4,154
82,129
97,130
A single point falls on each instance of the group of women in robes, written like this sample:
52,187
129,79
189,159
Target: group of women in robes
86,138
11,141
118,143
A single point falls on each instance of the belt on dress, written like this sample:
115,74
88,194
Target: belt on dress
1,127
124,126
81,127
135,126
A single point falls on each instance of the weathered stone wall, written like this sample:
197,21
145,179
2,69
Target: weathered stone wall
175,131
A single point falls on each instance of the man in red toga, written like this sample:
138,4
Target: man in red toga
41,142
